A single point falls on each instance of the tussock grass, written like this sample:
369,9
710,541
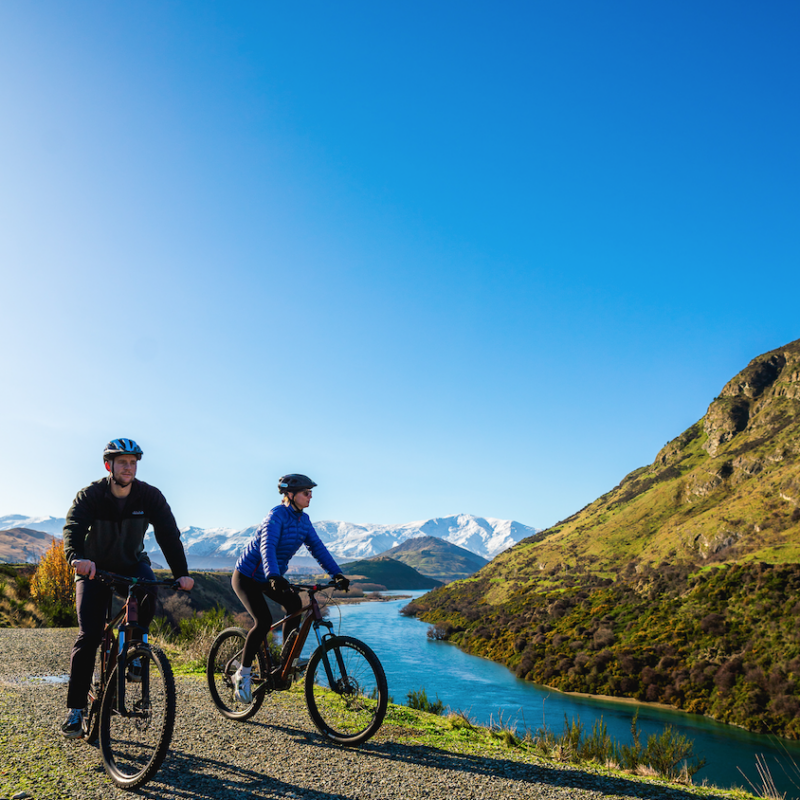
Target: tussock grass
457,732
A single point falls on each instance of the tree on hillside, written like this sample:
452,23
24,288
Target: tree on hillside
53,587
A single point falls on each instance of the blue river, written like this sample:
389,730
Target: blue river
491,694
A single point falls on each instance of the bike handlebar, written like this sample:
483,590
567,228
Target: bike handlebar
113,577
312,588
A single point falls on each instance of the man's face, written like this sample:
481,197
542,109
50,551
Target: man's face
124,469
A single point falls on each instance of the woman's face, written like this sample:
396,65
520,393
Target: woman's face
302,499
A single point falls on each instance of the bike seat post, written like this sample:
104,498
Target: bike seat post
131,621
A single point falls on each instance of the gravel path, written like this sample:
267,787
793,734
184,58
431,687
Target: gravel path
278,754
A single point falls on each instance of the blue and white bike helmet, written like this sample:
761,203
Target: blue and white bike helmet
122,447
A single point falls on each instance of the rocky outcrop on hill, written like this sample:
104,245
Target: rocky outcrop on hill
760,399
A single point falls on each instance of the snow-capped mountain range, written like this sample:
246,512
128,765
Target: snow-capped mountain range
347,541
485,537
51,525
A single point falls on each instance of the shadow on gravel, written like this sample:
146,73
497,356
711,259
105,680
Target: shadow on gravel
196,778
559,777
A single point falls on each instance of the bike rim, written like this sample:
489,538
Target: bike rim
227,653
349,704
134,740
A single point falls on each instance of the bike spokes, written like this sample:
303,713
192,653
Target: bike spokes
224,659
134,738
346,690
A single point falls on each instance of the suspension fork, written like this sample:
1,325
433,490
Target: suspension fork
323,639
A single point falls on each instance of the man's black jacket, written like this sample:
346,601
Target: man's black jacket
113,537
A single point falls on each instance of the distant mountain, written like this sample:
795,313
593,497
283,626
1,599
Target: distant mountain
218,548
389,573
485,537
207,548
437,558
23,546
51,525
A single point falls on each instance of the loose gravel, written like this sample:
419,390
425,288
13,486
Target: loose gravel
277,754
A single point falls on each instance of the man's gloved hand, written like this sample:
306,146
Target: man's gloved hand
279,583
342,583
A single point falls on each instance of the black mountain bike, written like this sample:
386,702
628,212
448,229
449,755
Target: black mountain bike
132,696
345,685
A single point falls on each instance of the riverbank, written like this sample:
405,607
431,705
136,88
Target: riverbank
279,753
371,597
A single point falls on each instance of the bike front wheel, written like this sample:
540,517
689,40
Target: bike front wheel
224,658
91,720
346,690
134,738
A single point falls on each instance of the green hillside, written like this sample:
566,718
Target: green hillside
680,585
389,573
437,558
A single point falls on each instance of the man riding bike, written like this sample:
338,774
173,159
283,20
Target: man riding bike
105,529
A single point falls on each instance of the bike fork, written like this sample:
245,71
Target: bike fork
122,663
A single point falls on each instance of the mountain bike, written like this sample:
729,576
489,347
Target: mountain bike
132,697
345,685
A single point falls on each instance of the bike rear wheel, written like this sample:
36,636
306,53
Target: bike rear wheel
134,740
224,658
346,699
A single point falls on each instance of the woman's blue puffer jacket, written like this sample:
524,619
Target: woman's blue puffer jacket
282,533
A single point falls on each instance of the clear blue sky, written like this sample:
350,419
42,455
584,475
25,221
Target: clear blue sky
451,257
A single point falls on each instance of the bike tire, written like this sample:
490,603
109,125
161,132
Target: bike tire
91,719
350,707
224,658
134,745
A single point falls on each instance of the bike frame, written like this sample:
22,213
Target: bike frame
311,614
114,651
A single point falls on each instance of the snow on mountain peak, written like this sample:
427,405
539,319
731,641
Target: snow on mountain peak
347,541
51,525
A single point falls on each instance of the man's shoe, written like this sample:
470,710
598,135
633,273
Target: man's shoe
242,688
135,671
73,726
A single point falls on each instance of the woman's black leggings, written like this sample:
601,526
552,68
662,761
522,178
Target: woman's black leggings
251,592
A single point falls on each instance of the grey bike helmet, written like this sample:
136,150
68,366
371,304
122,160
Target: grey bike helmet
289,484
122,447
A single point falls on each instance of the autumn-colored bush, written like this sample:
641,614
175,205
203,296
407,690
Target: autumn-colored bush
53,587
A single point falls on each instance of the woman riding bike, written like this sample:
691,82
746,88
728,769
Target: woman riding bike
261,567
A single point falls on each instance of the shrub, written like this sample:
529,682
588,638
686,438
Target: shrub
419,701
632,755
713,624
603,637
193,635
440,631
666,751
53,587
599,746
